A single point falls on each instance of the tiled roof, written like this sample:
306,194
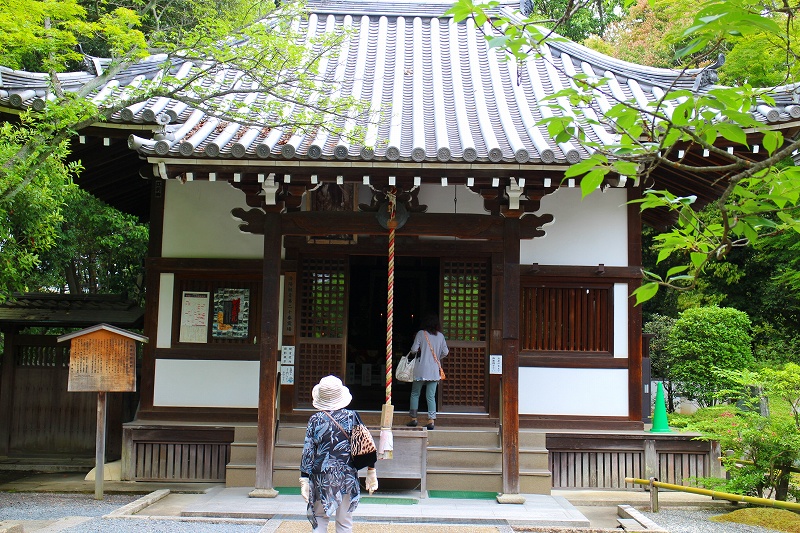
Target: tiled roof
67,310
444,95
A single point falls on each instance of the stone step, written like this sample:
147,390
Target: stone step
535,482
463,437
532,439
245,453
531,481
245,434
463,457
458,459
288,434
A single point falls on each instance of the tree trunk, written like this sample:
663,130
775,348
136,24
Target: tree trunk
70,272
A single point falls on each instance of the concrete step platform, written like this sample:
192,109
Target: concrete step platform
537,510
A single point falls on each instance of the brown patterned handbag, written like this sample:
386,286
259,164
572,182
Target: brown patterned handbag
362,446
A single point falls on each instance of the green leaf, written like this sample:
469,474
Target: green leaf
645,292
771,141
732,133
698,259
677,270
591,181
584,166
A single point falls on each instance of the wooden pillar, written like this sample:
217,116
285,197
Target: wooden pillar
650,459
511,301
635,391
268,340
153,280
7,370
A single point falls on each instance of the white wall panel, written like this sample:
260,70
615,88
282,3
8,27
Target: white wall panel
590,231
620,320
198,222
573,391
206,383
165,290
451,199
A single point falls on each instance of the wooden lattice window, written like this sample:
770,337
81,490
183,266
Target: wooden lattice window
465,386
464,296
566,318
323,298
317,360
41,356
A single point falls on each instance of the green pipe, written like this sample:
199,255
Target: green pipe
791,506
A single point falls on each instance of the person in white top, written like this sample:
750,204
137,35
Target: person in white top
431,347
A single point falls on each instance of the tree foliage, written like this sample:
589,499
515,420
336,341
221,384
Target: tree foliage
250,37
761,198
578,20
97,250
762,447
648,34
702,341
652,33
661,359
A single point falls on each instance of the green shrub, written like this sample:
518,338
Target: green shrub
703,340
760,445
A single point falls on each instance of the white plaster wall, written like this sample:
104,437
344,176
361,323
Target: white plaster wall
620,320
206,383
573,391
198,222
165,291
587,231
451,199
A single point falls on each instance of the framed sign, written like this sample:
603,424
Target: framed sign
231,314
102,362
194,317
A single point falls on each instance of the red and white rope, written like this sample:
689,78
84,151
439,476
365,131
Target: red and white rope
390,294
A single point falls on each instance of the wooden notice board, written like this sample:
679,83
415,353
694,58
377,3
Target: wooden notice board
102,361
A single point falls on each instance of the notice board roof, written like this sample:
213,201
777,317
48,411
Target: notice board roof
106,327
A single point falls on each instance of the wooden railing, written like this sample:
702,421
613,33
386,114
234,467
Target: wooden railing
194,454
599,461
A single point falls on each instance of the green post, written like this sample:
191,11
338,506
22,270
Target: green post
660,424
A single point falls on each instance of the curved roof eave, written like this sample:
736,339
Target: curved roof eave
445,96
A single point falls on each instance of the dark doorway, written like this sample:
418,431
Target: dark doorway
416,292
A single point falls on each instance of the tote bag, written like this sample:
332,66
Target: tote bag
405,369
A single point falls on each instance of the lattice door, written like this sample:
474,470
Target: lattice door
322,323
465,295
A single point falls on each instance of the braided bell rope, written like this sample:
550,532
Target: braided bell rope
392,223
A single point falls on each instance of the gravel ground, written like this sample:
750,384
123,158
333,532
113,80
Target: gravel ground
41,506
38,506
697,521
108,525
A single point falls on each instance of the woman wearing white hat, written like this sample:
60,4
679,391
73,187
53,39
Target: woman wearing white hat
327,480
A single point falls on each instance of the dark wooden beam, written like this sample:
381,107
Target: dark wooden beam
635,385
7,369
465,226
511,289
154,250
268,339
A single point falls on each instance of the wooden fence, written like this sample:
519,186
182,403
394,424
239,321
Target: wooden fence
605,460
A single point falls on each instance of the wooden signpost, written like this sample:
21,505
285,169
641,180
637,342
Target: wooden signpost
102,359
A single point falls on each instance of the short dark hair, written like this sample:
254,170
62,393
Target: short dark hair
430,323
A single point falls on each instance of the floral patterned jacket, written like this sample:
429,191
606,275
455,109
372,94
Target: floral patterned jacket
326,454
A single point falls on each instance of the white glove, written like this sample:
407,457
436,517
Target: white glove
304,488
372,480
